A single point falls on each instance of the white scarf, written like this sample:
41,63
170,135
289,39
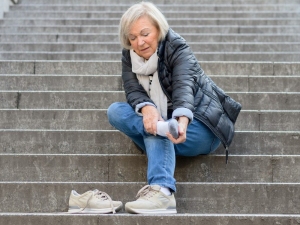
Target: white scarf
142,70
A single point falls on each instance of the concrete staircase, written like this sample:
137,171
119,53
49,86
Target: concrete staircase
60,70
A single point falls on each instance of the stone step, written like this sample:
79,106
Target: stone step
17,82
229,83
202,56
179,29
93,119
115,47
108,142
193,37
41,67
127,219
168,14
172,22
233,2
164,7
102,100
261,198
119,168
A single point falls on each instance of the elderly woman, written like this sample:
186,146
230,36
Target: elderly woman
172,107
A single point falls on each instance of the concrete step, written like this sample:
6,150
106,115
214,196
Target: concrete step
261,198
193,37
118,168
202,56
115,46
127,219
17,82
229,83
92,119
102,100
62,2
168,14
108,142
164,7
205,219
41,67
172,22
179,29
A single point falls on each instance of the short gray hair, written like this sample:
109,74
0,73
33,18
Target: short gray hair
137,11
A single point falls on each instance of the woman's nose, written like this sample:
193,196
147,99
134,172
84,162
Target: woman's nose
140,41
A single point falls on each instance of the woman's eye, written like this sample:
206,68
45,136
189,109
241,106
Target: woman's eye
145,35
131,38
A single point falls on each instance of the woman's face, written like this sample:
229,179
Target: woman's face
143,37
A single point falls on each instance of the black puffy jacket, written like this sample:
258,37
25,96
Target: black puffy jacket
186,85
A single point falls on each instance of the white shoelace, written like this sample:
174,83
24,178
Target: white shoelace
101,195
147,191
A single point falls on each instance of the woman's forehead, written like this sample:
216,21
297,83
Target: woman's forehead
141,24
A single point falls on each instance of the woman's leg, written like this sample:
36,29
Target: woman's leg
160,150
200,141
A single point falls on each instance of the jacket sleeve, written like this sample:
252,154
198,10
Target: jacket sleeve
184,69
135,93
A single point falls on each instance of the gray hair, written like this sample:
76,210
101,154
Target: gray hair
137,11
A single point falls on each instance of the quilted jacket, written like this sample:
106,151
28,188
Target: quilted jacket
186,86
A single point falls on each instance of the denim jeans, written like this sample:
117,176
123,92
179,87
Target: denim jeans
160,151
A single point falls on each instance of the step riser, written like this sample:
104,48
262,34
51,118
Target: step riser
15,219
164,8
118,168
53,197
63,83
114,83
115,47
102,100
97,120
205,56
108,142
178,14
178,29
172,22
63,2
114,68
38,37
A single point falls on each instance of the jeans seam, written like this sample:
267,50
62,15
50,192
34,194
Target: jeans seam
165,161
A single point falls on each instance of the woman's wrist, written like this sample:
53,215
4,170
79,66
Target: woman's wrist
183,120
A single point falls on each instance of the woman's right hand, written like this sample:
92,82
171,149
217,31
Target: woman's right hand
150,118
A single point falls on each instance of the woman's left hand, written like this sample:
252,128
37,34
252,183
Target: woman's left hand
182,127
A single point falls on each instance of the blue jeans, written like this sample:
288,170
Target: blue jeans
160,151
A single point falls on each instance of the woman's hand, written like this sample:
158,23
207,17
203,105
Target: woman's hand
150,118
182,127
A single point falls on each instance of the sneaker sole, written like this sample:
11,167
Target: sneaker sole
93,211
151,211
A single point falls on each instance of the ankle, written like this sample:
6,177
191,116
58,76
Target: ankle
165,190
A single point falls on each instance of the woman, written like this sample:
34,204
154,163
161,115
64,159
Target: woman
166,90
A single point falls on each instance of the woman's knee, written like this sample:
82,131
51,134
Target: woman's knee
114,112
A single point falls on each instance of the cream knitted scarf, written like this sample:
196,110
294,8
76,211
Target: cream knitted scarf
143,69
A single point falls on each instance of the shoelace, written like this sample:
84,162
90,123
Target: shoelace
146,191
101,195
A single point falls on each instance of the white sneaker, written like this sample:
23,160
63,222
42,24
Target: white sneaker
93,202
152,201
